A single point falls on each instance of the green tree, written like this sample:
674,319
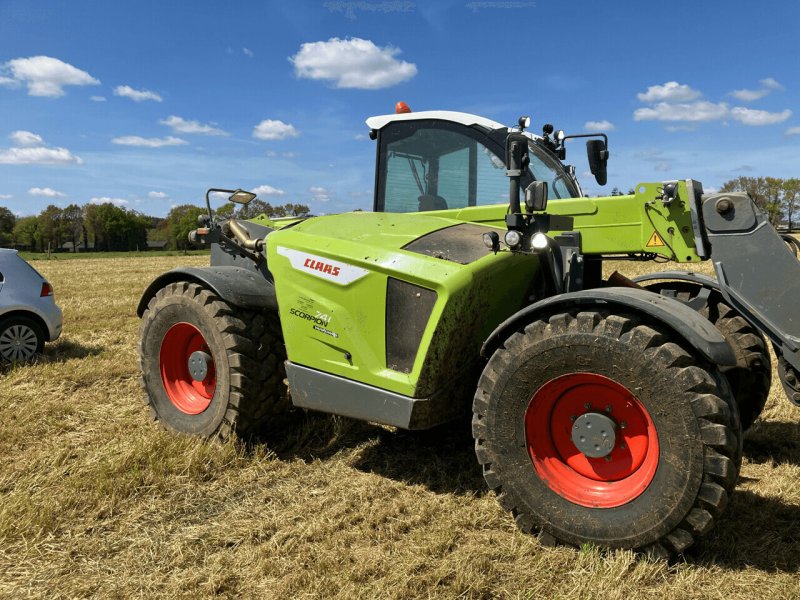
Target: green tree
255,208
7,222
72,224
183,219
25,232
50,227
791,199
114,228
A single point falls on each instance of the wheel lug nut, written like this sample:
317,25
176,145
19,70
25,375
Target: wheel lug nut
608,408
572,417
623,425
587,406
608,458
623,447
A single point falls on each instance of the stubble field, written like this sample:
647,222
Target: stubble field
97,501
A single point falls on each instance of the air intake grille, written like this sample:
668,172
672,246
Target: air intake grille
408,308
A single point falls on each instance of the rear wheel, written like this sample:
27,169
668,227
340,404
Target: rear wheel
598,428
210,368
21,339
751,378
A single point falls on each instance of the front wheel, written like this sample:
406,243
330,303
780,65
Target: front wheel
595,427
208,367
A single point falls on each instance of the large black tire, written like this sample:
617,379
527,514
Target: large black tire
751,378
680,487
245,383
21,339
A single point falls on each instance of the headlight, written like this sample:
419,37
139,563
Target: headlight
539,241
513,238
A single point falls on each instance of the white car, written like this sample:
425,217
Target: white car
29,315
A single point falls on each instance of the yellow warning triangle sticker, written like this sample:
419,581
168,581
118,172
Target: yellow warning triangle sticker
655,240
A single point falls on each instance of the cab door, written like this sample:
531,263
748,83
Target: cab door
431,164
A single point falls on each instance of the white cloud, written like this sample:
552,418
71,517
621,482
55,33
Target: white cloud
692,111
5,196
181,125
674,128
106,200
44,75
26,138
352,63
269,129
604,125
267,190
46,192
30,149
672,91
756,118
157,195
38,156
127,91
771,84
662,166
320,194
793,131
749,95
768,86
247,52
97,98
135,140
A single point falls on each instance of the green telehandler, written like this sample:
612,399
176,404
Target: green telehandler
604,411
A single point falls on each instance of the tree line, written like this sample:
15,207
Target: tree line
106,227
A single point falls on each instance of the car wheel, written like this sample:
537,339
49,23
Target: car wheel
21,339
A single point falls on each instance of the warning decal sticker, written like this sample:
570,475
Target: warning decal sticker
655,240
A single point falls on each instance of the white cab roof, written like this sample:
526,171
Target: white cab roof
381,121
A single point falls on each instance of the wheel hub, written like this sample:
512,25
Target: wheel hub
198,365
593,434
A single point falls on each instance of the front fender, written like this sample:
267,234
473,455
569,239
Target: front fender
236,285
687,324
688,276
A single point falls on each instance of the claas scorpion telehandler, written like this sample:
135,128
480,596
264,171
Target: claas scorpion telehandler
604,411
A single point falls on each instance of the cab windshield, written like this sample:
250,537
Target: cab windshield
546,168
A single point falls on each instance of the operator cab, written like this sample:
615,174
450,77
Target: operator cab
440,160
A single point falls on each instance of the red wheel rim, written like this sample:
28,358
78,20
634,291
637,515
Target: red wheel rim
189,396
603,482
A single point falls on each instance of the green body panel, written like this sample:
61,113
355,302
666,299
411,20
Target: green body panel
613,224
276,223
341,328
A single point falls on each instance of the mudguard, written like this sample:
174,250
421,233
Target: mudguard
239,286
687,324
688,276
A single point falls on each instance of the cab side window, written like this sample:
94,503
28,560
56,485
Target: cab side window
438,168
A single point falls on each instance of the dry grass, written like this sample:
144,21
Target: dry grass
98,501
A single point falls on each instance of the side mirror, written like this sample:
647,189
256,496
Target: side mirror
242,197
536,196
597,153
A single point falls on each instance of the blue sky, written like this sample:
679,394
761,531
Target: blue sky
149,103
